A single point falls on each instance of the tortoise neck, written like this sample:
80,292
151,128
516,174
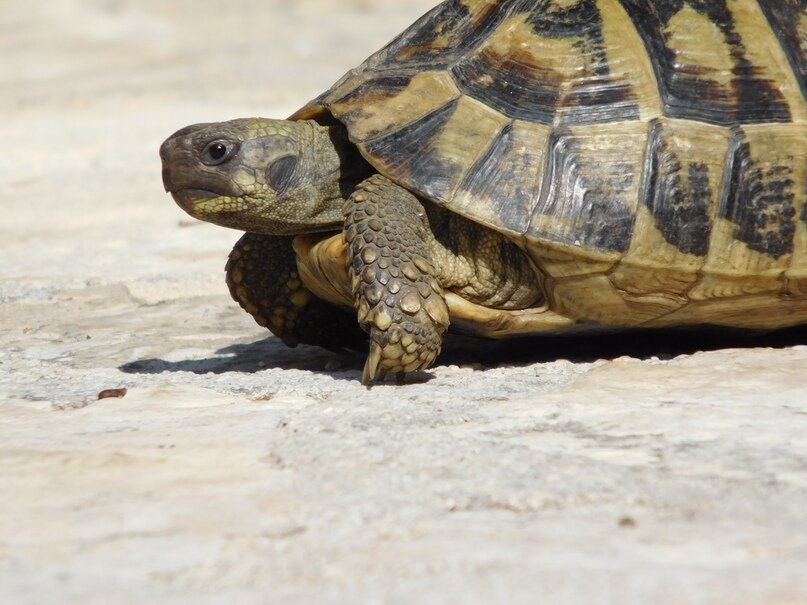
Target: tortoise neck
338,166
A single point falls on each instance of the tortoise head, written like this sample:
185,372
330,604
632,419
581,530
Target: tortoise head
265,176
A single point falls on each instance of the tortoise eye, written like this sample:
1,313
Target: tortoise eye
218,152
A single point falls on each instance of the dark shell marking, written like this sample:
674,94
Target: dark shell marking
441,36
409,150
507,177
522,84
678,194
720,86
591,198
760,200
788,19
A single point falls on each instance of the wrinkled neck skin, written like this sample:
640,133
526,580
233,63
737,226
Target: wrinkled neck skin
328,171
315,203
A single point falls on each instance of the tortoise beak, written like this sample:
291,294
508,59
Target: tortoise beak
177,152
167,179
167,151
183,172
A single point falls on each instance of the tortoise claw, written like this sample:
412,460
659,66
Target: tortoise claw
371,365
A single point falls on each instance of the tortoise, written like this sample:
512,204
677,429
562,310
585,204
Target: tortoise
520,167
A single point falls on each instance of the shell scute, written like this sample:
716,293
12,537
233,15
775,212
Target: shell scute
715,62
548,64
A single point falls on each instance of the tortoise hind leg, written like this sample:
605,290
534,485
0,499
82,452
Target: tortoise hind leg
263,278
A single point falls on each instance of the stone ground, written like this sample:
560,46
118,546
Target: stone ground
664,469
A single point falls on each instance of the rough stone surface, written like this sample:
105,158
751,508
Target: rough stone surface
662,469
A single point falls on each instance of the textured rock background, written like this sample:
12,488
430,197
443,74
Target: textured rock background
660,469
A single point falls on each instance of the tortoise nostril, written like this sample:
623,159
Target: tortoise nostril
178,140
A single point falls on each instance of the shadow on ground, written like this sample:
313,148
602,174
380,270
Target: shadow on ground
253,357
640,344
461,350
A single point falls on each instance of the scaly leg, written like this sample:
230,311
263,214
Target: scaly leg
399,300
262,277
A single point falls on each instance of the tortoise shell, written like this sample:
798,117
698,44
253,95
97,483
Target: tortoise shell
649,155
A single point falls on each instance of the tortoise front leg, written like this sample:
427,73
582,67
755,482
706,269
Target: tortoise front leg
399,301
263,278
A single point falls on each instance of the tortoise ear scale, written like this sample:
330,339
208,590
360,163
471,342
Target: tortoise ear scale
280,173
